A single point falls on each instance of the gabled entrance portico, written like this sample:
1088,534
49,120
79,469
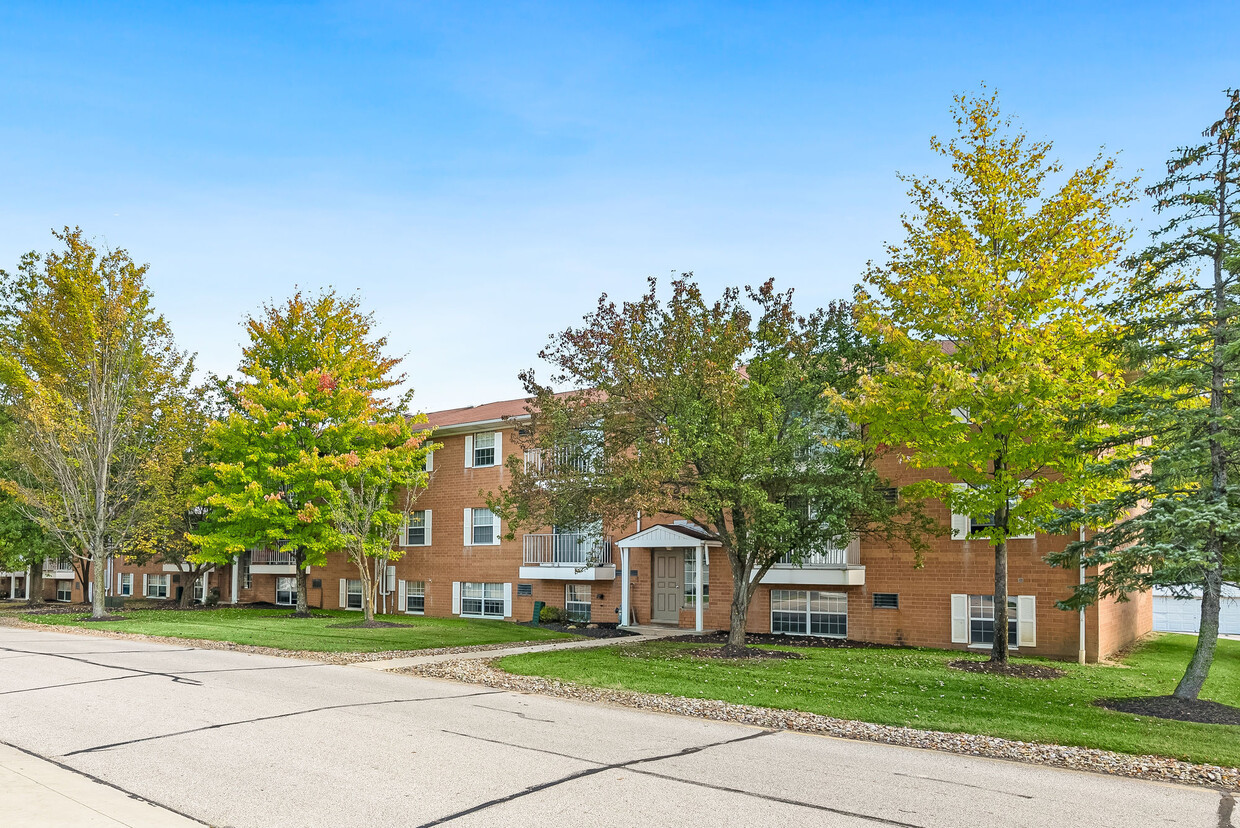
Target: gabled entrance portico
662,539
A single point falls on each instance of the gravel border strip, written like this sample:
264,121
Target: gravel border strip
305,655
1152,768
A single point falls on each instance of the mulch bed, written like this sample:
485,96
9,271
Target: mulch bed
1032,671
92,620
747,654
771,639
1181,710
589,631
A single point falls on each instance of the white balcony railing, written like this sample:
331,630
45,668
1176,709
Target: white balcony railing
826,559
566,549
272,557
57,565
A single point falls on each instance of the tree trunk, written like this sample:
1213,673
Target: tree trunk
34,584
739,615
303,608
1207,639
370,585
187,592
999,649
98,605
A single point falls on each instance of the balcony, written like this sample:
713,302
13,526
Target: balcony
567,556
272,562
58,568
830,567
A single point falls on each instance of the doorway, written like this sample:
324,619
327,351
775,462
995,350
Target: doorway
666,589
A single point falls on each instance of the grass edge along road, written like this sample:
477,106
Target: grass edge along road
276,628
915,688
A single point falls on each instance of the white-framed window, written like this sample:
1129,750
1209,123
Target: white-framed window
353,594
809,612
64,591
484,450
691,581
126,584
157,586
483,525
415,596
200,587
286,590
247,578
577,602
482,600
418,532
982,620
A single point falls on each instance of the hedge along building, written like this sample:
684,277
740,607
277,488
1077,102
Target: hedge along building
456,562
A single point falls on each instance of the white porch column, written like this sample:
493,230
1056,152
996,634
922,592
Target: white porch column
697,587
232,595
624,586
26,583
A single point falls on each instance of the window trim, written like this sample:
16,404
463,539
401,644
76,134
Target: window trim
126,585
163,580
411,593
474,526
1013,621
482,599
809,611
425,527
569,600
349,594
292,593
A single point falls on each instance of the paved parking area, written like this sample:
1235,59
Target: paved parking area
247,740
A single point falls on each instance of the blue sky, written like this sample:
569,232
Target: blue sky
481,173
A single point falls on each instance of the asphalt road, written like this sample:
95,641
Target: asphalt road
245,740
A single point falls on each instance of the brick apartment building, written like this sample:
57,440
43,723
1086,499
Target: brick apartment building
456,563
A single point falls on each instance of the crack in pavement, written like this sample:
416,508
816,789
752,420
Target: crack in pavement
220,725
667,777
147,675
961,784
516,713
175,678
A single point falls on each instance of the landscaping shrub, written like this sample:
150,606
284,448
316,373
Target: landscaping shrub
551,615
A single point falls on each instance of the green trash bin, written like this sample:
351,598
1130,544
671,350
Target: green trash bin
538,608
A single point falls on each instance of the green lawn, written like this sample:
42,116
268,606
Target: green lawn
916,688
275,628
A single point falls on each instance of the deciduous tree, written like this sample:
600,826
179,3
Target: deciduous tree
311,397
990,322
89,370
710,411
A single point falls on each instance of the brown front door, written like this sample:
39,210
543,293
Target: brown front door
669,568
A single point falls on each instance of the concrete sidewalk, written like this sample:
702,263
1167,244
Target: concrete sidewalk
35,793
643,634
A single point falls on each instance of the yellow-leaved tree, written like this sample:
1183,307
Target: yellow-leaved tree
988,316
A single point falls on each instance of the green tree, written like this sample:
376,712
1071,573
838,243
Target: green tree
989,318
170,516
311,395
1175,524
23,543
712,412
89,370
380,480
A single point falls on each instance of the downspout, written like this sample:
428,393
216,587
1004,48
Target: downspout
1080,652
